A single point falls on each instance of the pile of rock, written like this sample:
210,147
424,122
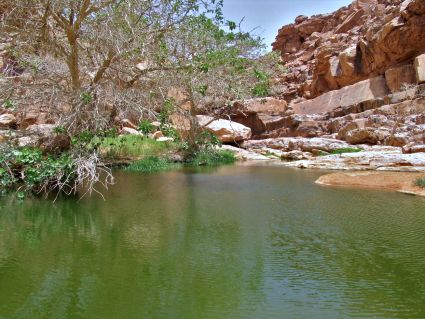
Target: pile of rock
366,39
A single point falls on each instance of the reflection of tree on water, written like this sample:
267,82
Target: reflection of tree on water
163,254
235,243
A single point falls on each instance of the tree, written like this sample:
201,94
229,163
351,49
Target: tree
88,62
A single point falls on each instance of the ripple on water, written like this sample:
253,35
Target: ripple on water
234,242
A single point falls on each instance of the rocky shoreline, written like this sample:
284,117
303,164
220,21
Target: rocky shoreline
399,182
351,97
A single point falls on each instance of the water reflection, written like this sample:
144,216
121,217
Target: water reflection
231,243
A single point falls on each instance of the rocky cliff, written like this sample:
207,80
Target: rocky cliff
369,38
354,78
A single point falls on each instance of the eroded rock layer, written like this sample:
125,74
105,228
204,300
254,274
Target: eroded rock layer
366,39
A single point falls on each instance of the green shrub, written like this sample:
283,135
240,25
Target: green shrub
146,127
262,88
152,164
420,182
29,171
212,158
8,104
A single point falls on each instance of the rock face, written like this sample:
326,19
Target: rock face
420,68
398,77
260,115
371,160
363,91
130,131
7,120
44,137
226,131
357,42
354,75
288,144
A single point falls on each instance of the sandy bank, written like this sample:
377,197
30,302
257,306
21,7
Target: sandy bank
394,181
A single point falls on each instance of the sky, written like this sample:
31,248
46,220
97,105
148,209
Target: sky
270,15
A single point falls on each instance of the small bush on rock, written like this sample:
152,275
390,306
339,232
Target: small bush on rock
420,182
146,127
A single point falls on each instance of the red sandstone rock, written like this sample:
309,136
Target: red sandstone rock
355,43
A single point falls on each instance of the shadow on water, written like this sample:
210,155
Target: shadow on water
229,242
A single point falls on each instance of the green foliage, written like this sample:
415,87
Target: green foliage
202,89
212,158
146,127
133,146
231,25
260,75
420,182
166,111
346,150
152,164
262,88
204,151
29,171
85,137
87,97
8,104
59,130
341,151
170,131
285,69
204,142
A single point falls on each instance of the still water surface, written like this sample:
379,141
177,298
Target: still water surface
231,242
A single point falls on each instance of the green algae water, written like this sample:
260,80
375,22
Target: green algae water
230,242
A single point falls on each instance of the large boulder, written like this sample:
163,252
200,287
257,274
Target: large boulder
181,123
7,120
227,131
45,137
268,105
398,78
383,160
309,129
366,136
363,91
351,126
259,114
130,131
288,144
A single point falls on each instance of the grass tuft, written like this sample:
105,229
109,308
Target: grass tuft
420,182
152,164
213,158
134,146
